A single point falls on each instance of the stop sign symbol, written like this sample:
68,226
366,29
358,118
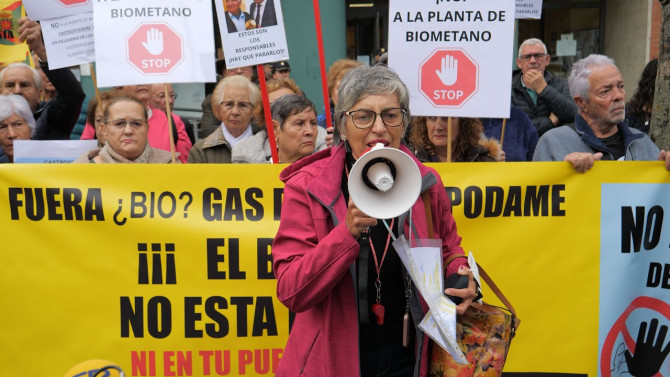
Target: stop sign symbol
154,49
448,77
68,3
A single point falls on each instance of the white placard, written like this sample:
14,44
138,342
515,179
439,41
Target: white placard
256,44
69,40
154,41
566,46
47,9
454,57
51,151
528,9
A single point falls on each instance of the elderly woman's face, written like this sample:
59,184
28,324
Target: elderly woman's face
437,130
378,132
13,128
236,109
296,138
126,129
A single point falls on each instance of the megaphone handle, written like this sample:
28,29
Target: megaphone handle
429,213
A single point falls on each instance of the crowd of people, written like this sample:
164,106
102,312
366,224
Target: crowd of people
550,118
324,246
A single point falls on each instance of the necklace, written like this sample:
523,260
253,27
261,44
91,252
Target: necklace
377,308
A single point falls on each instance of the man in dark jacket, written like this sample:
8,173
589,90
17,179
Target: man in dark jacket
545,98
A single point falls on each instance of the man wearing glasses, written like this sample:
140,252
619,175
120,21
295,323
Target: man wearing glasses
545,98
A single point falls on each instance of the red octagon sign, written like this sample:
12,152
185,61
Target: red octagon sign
154,49
68,3
448,77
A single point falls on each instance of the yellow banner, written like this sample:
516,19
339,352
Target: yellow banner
166,270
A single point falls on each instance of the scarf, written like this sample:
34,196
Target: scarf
110,156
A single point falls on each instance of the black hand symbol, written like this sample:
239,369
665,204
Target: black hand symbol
648,356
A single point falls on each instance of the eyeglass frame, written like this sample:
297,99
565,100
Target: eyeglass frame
240,105
126,122
537,56
374,118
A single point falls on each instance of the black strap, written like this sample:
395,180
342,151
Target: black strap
363,261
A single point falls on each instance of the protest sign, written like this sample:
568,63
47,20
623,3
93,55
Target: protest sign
454,57
255,36
165,273
47,9
51,151
11,50
528,9
157,41
69,40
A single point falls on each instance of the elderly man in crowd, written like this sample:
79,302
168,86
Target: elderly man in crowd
600,130
54,119
159,101
545,98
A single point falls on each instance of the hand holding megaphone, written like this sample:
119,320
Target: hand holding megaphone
357,221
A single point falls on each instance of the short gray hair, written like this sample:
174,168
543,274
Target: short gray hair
235,81
578,81
290,104
364,81
11,104
531,42
37,79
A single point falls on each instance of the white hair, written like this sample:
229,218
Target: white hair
531,42
37,79
578,81
11,104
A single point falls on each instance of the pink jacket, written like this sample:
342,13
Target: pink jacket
314,256
159,136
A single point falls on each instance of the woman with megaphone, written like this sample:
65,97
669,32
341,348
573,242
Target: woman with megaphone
356,309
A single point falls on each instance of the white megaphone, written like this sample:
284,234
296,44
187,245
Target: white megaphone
384,182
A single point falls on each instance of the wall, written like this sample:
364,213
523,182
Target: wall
627,35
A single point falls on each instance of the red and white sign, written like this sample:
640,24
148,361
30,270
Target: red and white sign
454,56
448,77
68,3
155,49
50,9
153,42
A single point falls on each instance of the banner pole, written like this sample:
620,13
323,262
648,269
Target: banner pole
322,64
448,139
169,116
268,114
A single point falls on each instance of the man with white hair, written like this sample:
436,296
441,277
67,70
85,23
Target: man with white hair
544,97
54,119
600,130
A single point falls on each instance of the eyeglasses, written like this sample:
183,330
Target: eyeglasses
19,124
537,56
243,106
364,118
122,123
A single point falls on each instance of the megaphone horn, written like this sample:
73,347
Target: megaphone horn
384,182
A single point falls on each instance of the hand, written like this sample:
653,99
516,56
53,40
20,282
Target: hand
501,157
648,356
468,294
582,162
154,43
357,221
665,156
448,73
554,119
329,136
31,33
534,79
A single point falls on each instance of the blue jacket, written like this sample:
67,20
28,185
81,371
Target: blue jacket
559,142
520,135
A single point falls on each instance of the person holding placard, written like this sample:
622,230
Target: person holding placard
126,130
335,266
544,97
160,102
54,119
428,137
233,103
